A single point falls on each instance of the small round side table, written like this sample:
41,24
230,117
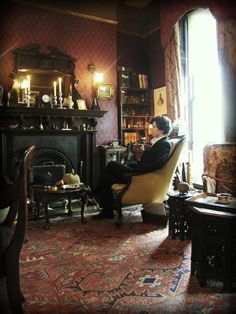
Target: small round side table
179,215
45,196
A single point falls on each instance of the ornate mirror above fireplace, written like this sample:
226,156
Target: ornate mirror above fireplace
39,70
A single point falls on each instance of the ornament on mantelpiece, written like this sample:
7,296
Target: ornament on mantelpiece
95,104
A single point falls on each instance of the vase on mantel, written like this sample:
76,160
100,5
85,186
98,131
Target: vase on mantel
95,104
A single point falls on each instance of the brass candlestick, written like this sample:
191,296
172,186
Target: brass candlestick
60,100
27,98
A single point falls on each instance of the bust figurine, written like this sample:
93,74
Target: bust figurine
70,102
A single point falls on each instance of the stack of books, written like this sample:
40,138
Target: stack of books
130,137
143,80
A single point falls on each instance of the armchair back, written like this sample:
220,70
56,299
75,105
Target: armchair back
153,187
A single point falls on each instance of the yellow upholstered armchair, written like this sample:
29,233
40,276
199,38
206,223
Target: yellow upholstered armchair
149,189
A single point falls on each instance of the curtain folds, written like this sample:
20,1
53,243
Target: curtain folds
225,14
173,75
227,55
171,12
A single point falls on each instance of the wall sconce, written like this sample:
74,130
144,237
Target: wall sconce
97,78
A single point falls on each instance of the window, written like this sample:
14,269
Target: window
202,78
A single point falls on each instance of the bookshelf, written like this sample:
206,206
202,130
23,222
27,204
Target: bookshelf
134,106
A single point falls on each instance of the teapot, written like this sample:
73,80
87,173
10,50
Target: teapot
71,178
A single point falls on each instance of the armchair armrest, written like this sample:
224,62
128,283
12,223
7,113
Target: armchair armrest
146,188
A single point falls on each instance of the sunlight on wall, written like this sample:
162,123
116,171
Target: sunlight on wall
205,97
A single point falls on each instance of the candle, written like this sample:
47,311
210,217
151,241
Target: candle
55,88
59,84
28,78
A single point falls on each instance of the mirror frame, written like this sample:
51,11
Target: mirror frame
46,67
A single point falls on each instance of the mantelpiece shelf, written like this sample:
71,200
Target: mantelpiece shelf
71,132
48,132
32,111
21,119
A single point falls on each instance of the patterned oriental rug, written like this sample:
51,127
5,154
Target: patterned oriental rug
96,268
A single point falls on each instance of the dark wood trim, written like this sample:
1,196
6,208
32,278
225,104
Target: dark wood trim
44,127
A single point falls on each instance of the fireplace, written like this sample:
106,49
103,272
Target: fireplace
73,147
59,149
64,135
52,156
49,166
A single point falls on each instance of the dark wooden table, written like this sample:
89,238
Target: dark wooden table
45,195
213,240
179,215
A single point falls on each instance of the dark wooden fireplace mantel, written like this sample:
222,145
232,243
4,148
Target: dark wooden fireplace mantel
72,132
10,114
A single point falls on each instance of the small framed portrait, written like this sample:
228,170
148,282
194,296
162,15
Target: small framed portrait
81,104
105,91
160,105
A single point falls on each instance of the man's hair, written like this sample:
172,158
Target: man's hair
163,123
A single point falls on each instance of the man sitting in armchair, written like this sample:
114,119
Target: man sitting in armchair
153,158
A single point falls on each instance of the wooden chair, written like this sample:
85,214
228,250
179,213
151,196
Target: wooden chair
13,229
150,188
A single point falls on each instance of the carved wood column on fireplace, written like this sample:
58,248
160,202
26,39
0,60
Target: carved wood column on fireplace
71,132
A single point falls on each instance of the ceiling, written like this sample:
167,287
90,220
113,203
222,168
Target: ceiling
133,16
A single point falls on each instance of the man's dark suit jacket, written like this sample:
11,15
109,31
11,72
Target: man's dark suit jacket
154,157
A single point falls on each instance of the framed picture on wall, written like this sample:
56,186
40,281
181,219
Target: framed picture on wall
105,91
160,105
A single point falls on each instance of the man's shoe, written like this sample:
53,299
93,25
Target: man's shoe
104,214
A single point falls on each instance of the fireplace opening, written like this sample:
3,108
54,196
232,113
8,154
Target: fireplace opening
46,155
49,166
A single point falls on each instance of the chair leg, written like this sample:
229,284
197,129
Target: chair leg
15,295
117,206
119,218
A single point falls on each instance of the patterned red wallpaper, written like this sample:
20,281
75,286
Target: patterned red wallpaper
87,41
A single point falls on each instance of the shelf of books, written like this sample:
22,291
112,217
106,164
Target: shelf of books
134,106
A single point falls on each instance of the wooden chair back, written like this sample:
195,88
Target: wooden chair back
14,227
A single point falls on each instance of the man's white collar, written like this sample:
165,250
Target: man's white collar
156,139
